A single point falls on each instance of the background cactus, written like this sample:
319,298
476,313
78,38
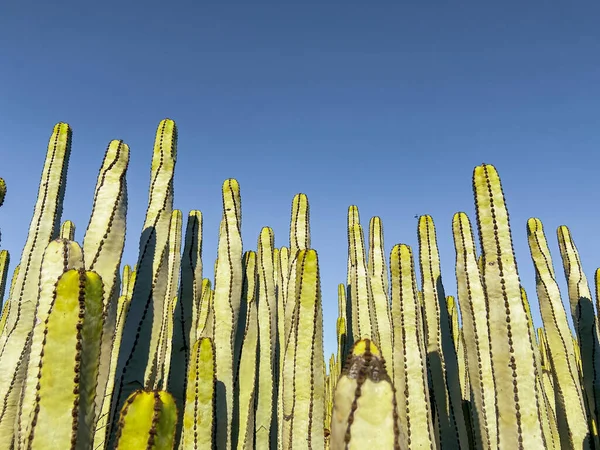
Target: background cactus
154,357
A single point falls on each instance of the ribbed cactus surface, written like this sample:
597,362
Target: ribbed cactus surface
95,354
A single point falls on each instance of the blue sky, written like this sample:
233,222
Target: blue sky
386,105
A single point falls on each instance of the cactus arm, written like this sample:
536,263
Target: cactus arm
441,354
267,338
410,360
304,400
2,191
67,230
378,278
198,418
518,415
102,431
352,309
227,298
282,283
103,244
190,291
364,411
60,255
43,228
147,421
585,322
247,373
360,287
142,326
476,333
66,380
300,224
163,355
570,402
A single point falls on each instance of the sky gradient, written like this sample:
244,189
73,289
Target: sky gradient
385,105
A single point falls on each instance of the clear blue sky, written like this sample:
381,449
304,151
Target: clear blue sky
386,105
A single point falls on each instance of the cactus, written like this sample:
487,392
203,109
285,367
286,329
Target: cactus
142,326
364,411
476,334
66,380
198,418
518,417
147,421
98,356
303,390
44,228
410,357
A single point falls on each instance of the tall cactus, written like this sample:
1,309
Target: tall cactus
267,313
410,358
227,298
142,326
476,334
364,412
442,362
103,246
186,309
66,381
303,382
585,323
569,401
518,418
44,228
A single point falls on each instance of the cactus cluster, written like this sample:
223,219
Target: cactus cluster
99,355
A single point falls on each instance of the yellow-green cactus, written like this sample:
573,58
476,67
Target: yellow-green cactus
476,334
227,298
570,404
515,373
60,255
44,228
4,264
198,418
378,279
140,341
410,356
303,375
65,388
147,421
67,230
585,323
442,361
247,373
267,311
364,410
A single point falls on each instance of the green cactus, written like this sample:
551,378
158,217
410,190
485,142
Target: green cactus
570,404
364,411
410,357
476,334
65,386
247,373
140,342
44,228
4,264
442,362
147,421
303,380
378,278
512,353
198,418
267,311
585,323
67,230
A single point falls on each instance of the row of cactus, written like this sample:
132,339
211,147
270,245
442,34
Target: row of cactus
99,356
